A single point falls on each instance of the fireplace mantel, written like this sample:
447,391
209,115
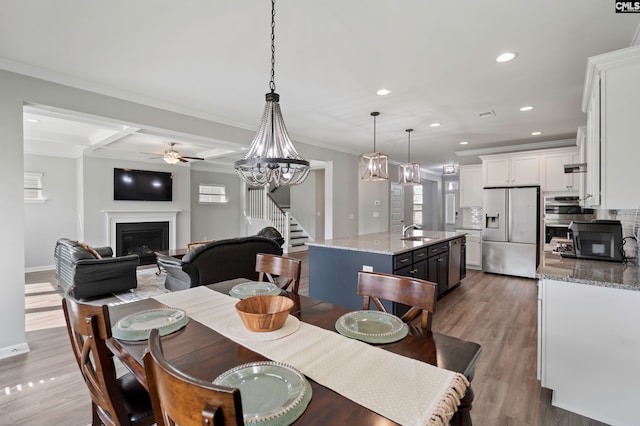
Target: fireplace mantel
129,216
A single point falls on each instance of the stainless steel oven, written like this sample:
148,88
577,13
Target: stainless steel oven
559,212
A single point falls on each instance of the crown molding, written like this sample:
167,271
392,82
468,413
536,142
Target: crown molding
602,62
516,148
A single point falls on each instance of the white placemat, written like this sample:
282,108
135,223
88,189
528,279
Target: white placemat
404,390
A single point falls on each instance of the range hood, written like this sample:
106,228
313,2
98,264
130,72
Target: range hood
575,168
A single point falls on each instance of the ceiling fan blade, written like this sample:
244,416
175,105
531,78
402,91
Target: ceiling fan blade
191,158
182,159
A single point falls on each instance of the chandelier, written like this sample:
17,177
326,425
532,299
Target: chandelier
409,173
272,157
373,166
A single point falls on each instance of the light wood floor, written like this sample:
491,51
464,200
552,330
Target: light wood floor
495,311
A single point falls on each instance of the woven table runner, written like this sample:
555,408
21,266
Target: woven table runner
404,390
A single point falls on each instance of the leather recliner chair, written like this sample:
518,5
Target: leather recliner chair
89,276
217,261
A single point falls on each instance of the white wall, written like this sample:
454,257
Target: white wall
53,219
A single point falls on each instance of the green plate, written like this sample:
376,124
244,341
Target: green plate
137,326
272,393
254,288
372,326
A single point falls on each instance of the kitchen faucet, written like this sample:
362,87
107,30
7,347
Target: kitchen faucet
407,227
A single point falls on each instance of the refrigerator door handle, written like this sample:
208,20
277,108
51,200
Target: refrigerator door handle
509,224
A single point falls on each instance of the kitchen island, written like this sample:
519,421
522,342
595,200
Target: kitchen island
589,336
430,255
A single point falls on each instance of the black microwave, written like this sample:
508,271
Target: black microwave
597,240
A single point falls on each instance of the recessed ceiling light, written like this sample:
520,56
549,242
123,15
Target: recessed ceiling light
536,133
383,92
464,143
31,120
526,108
506,57
434,125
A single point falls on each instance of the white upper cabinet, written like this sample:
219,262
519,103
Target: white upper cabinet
612,103
552,175
510,169
471,186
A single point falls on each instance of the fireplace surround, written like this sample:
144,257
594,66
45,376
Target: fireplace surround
129,217
143,239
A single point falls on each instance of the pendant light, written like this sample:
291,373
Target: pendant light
409,173
373,166
272,157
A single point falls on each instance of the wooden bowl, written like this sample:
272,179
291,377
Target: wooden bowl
264,313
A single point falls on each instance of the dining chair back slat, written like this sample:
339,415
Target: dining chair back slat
180,399
89,327
268,265
419,294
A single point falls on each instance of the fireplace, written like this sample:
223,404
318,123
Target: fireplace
143,239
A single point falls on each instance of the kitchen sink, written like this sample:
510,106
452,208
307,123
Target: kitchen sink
416,238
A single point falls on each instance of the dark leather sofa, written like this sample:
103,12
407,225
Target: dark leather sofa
217,261
78,268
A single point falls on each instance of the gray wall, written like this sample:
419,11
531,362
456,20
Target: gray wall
216,221
307,200
97,186
55,218
18,90
320,205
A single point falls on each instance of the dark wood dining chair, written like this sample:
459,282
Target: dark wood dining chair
180,399
114,400
420,295
287,268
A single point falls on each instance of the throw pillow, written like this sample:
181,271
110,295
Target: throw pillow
91,250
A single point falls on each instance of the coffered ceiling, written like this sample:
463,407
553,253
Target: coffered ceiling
211,59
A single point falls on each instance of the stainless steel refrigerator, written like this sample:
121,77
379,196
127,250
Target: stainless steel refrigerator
511,230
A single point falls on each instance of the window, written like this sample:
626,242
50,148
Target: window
212,193
417,204
33,187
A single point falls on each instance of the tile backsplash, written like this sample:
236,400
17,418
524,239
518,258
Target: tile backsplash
472,217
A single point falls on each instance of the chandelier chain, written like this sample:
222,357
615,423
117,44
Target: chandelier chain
409,145
272,83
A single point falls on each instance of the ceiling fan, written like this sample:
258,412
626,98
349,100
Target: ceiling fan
171,156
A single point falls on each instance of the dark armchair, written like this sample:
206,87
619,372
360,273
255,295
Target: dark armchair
217,261
93,272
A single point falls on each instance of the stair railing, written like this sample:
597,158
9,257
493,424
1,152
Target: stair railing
260,205
278,218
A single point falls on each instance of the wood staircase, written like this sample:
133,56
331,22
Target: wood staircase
297,235
260,205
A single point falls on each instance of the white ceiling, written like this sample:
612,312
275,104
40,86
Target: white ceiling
211,59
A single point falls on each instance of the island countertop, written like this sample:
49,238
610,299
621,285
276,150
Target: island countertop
387,242
592,272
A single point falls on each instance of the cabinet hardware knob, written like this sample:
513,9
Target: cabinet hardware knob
404,260
440,260
421,255
413,271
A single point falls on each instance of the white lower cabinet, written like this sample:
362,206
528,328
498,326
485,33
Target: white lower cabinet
589,349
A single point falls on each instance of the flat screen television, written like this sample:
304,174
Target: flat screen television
142,185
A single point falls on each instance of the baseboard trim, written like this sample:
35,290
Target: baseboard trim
13,350
40,268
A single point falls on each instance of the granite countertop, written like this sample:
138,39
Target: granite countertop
592,272
387,242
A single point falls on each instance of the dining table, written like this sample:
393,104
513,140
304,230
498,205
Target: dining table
201,352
